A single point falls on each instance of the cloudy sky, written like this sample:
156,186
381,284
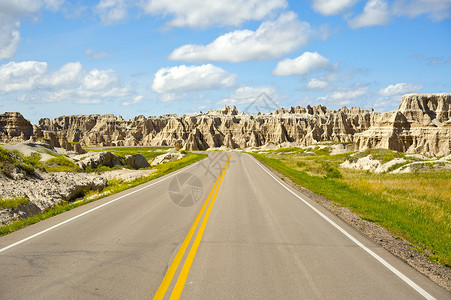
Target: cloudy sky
153,57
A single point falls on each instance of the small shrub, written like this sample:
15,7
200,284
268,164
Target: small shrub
332,171
301,164
288,149
27,168
13,202
34,159
9,160
321,152
351,159
61,164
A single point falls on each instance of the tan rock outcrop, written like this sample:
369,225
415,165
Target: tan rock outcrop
421,124
14,127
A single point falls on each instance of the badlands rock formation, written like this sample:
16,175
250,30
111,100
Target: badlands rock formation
420,124
14,127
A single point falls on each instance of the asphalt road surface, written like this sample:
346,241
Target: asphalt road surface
224,228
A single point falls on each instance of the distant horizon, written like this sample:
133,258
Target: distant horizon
162,57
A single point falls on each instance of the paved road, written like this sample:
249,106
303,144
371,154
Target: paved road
254,239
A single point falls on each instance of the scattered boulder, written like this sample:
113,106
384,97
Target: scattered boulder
341,148
170,156
97,159
137,161
364,164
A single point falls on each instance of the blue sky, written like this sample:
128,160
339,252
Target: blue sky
153,57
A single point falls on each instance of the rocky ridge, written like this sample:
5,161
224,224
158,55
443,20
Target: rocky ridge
421,124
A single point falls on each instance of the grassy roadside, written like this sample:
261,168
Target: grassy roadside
416,207
112,188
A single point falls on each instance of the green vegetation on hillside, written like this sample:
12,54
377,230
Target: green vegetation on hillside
11,161
415,206
60,164
13,202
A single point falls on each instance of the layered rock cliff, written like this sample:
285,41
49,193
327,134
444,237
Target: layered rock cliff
297,126
421,124
14,127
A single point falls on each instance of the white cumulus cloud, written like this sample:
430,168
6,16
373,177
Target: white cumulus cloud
200,13
301,65
66,75
35,81
99,79
21,76
332,7
400,89
376,12
272,39
192,78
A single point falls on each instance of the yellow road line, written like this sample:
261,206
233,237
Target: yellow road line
177,291
178,257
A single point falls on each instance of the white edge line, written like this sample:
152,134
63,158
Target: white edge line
377,257
91,210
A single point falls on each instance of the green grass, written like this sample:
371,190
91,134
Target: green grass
289,149
14,159
13,202
414,206
113,187
101,169
60,164
383,155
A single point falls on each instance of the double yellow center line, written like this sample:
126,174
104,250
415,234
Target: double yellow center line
178,288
